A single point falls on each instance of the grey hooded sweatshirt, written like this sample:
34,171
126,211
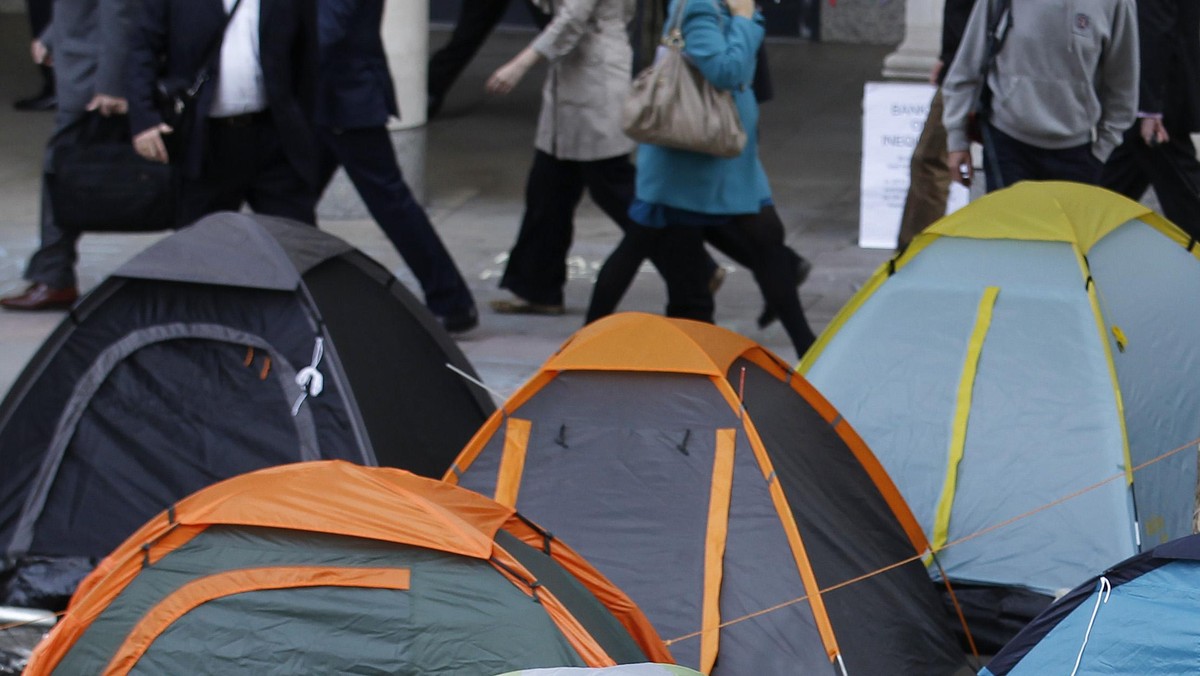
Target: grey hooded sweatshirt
1066,75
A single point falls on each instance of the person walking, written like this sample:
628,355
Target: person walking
1158,149
680,193
90,40
476,20
1061,89
252,141
579,143
354,102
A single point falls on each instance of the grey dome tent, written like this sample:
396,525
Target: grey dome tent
182,369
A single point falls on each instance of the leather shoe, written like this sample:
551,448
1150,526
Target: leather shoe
43,101
460,322
41,297
520,306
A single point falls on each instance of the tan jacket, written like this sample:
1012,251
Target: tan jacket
587,45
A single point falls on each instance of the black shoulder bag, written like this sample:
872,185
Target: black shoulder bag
176,100
98,183
999,22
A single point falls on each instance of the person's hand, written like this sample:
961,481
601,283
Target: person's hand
507,76
961,167
1153,132
108,105
742,8
936,71
40,54
149,144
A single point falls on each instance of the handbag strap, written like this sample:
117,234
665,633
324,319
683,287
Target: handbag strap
674,35
999,22
210,52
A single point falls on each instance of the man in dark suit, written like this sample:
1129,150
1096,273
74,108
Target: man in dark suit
354,102
252,142
1158,150
88,39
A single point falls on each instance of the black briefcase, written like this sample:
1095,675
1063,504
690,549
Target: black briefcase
98,182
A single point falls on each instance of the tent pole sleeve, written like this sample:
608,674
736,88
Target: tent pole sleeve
816,602
714,547
962,414
205,589
512,463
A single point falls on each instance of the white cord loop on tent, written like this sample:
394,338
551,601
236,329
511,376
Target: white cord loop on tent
1101,598
309,379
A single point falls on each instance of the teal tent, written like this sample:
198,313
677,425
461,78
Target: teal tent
1028,372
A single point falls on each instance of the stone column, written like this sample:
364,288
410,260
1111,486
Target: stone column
406,38
915,56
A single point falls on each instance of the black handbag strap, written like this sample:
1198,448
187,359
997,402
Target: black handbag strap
999,23
210,53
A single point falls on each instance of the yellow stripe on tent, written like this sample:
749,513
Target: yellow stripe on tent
962,413
714,547
512,462
1101,326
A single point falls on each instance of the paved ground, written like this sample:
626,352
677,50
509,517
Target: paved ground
478,153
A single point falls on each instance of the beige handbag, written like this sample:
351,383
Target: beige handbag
670,104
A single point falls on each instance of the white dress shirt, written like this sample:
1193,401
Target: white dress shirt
239,79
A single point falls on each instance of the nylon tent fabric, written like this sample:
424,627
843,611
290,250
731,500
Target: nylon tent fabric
732,529
1025,372
1137,617
626,670
186,367
330,567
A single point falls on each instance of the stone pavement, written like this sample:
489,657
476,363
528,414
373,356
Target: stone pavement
478,153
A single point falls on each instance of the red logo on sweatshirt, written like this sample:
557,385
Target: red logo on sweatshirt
1082,22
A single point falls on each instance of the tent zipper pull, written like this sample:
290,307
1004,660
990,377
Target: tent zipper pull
1119,335
561,439
309,379
682,447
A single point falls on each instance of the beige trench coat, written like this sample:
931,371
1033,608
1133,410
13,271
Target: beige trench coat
587,45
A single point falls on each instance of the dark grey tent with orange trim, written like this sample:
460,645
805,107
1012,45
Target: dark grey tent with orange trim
742,533
185,367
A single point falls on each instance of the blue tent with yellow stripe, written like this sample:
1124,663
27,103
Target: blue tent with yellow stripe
1028,372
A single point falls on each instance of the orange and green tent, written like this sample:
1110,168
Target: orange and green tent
329,567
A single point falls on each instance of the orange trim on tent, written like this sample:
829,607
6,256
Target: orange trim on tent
813,590
714,547
617,602
579,637
477,443
883,481
512,461
206,589
866,458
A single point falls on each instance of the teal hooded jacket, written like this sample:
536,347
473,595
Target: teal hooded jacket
723,48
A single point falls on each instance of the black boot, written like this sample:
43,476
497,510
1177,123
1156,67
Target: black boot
43,100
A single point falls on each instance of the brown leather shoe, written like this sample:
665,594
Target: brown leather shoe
41,297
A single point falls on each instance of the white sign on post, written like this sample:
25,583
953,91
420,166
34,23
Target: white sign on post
893,116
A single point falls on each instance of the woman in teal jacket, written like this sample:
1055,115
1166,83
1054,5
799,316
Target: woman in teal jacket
679,193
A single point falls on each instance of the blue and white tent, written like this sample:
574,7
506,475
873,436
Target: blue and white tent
1141,617
1028,373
